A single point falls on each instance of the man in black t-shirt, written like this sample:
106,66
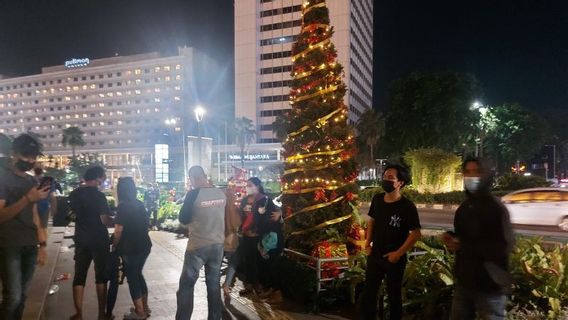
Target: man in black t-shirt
393,228
91,237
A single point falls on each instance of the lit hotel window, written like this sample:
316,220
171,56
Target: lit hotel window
137,91
93,86
157,69
178,77
168,78
137,71
178,66
157,100
166,68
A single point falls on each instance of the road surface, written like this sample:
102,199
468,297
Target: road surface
444,219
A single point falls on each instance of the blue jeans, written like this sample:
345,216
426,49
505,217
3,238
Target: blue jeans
210,257
233,260
133,265
488,306
17,266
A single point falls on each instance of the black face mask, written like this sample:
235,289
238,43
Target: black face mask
388,186
24,165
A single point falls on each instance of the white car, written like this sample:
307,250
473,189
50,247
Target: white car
538,206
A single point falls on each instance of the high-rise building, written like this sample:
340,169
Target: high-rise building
264,33
121,103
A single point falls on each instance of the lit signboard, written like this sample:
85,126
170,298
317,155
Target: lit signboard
161,152
258,156
76,63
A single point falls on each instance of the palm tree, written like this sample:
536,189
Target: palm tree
371,127
244,135
73,136
280,126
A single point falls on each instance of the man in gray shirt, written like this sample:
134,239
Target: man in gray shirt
203,211
22,244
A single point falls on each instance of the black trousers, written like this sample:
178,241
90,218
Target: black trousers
250,259
377,270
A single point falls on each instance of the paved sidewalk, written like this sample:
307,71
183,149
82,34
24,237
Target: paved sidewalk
162,272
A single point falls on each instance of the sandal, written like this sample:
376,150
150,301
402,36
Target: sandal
147,310
134,316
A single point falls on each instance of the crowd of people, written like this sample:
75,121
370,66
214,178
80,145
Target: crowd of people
248,234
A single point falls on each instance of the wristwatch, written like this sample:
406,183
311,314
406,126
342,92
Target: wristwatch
42,244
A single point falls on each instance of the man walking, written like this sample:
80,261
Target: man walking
22,243
483,241
393,229
203,211
91,238
151,200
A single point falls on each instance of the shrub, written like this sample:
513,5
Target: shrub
168,210
515,182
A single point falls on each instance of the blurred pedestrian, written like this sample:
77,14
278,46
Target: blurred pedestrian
151,201
91,238
204,211
46,207
393,229
482,241
22,243
231,245
132,242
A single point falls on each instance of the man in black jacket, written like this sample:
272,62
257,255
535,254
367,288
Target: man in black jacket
482,242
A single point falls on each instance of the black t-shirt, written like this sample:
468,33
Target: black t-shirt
134,218
393,222
89,204
20,230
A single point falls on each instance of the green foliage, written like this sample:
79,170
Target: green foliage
428,282
431,110
541,276
434,170
512,133
79,165
516,182
244,133
370,128
73,136
168,210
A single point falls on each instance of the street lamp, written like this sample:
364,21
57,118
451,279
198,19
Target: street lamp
479,141
173,122
553,161
199,114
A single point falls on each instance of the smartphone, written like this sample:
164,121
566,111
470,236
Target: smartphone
46,182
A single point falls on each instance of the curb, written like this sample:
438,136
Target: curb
43,276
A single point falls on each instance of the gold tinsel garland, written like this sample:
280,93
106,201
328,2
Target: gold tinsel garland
322,225
320,121
315,207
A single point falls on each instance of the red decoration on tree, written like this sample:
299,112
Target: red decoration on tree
320,195
349,196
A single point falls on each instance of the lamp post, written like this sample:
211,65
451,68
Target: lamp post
173,122
553,160
479,141
199,114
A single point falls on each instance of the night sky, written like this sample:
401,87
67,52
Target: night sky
518,49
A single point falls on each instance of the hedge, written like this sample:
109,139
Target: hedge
454,197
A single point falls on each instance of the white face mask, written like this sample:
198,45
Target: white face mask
471,184
251,190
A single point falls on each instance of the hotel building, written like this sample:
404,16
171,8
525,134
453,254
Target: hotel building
121,103
264,33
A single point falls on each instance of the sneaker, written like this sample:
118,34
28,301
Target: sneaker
133,316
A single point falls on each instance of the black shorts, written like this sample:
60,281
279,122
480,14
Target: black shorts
83,257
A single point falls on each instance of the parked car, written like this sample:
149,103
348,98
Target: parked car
538,206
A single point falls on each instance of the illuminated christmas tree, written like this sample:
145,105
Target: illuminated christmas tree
319,188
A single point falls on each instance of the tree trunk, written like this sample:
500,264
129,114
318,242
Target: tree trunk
73,151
